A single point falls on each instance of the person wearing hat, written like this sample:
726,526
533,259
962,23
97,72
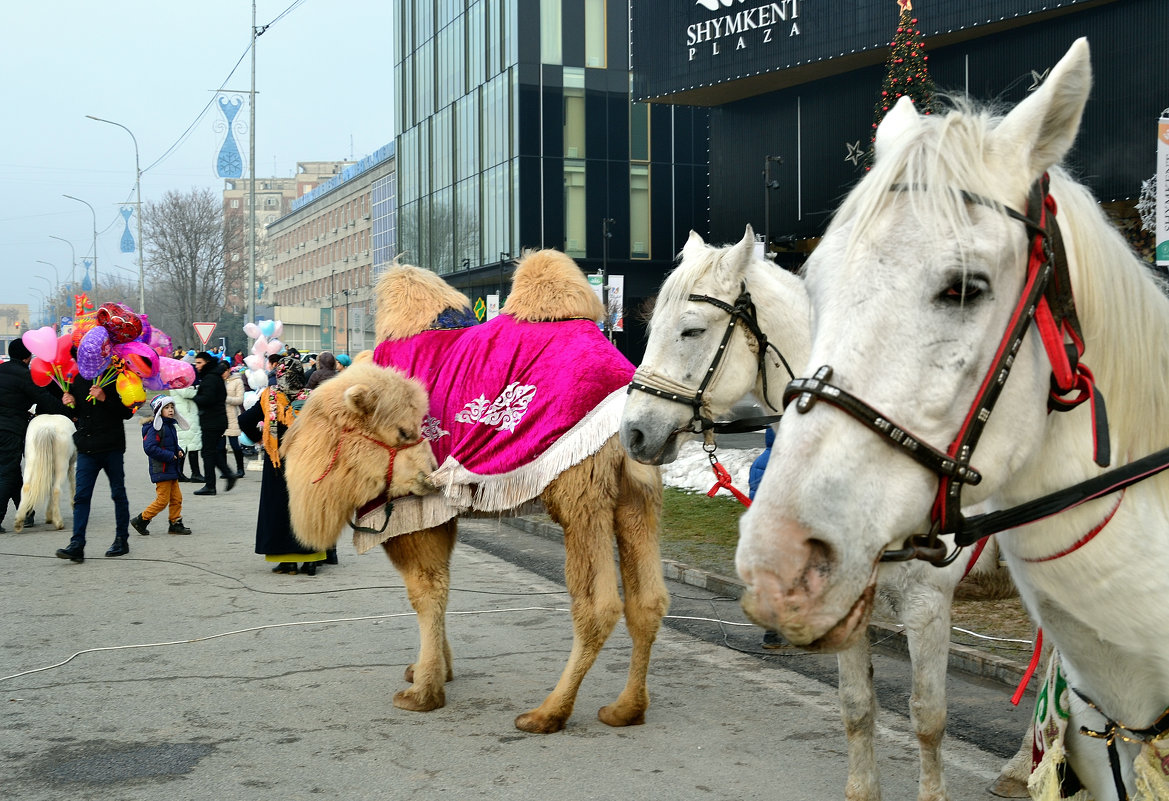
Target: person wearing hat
160,440
18,394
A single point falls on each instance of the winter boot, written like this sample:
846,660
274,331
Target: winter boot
177,527
140,524
75,552
121,547
239,464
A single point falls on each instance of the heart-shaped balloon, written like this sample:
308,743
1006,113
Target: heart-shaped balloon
161,342
122,323
268,328
94,352
252,330
41,342
42,371
260,346
254,361
275,346
278,329
64,353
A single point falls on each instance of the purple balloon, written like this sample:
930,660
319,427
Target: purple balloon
155,383
175,374
93,352
160,341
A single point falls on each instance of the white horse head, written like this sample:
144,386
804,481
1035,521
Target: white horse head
912,289
685,335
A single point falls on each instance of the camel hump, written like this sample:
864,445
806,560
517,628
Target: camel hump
411,299
548,285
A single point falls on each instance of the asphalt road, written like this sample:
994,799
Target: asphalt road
187,670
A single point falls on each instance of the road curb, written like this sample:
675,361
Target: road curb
970,661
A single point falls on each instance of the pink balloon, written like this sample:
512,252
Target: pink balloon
93,352
175,374
254,361
41,342
140,356
275,346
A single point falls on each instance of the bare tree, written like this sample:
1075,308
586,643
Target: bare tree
187,241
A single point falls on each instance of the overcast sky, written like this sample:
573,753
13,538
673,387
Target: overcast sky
323,77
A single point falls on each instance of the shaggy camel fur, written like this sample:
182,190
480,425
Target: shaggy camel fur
357,422
604,496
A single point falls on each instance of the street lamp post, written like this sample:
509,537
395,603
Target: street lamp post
42,294
769,185
138,204
94,213
73,263
348,327
56,285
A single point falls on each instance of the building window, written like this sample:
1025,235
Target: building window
639,211
639,132
574,208
551,51
235,203
574,113
595,34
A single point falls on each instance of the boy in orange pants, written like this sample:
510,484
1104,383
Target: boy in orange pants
160,440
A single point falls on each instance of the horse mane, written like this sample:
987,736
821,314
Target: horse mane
410,300
548,285
1122,309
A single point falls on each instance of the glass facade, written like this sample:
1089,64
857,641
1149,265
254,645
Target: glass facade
517,132
385,235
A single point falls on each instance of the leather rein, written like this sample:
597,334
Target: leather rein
1047,301
741,311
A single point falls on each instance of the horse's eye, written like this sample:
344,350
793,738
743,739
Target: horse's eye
404,434
693,333
964,289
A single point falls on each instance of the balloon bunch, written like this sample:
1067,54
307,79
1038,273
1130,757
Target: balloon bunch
115,345
52,360
265,333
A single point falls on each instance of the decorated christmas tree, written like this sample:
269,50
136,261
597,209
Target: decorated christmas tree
906,73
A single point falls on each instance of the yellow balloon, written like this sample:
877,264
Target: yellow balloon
130,389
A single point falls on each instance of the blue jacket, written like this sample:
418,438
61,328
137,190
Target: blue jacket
162,447
760,463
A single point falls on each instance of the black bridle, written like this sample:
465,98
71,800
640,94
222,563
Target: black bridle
741,311
1047,302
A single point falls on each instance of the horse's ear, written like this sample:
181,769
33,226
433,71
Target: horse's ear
360,399
901,121
1042,128
693,243
733,265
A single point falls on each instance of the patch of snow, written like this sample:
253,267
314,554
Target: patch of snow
692,470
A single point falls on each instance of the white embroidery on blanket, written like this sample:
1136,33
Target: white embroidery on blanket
432,428
506,411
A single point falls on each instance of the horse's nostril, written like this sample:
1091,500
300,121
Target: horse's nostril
821,556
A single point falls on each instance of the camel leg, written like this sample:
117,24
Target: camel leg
638,516
858,708
581,504
929,645
423,559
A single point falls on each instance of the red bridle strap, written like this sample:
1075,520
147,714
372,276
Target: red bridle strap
393,451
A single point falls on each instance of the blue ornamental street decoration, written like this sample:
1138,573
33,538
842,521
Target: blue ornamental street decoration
86,284
230,162
127,237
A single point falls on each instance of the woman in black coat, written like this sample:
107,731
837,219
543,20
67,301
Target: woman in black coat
265,423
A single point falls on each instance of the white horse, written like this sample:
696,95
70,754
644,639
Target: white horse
912,288
686,334
49,460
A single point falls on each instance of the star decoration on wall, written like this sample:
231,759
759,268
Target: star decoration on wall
1037,78
855,152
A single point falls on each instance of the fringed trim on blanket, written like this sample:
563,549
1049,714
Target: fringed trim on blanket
515,492
1045,781
465,489
1152,771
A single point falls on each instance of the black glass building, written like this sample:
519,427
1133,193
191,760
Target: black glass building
797,81
517,132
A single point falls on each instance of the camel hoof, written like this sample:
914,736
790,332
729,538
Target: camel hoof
538,724
1008,787
413,701
614,715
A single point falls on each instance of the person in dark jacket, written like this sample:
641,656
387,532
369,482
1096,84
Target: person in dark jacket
211,398
160,440
101,445
18,394
326,369
265,423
